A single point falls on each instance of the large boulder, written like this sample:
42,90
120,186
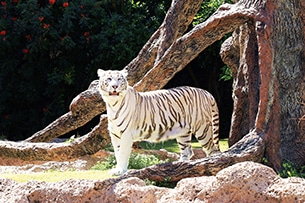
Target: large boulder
242,182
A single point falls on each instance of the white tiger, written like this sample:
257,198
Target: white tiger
160,115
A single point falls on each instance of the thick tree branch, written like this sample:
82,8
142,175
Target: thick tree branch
224,20
86,106
250,148
86,145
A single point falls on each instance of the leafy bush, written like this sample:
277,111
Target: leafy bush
51,49
136,161
107,164
292,170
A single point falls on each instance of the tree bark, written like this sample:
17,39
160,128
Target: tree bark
86,145
288,43
240,53
84,108
272,102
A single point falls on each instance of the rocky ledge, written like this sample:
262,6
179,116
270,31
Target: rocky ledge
242,182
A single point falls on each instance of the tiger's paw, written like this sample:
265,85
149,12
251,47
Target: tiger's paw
117,171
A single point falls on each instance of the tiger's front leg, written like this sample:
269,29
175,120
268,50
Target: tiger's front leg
184,143
122,150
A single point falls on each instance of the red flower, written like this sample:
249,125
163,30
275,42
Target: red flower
14,18
3,32
45,26
52,2
41,18
15,1
65,4
25,51
28,37
3,3
86,34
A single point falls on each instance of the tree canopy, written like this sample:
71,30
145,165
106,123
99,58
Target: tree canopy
51,49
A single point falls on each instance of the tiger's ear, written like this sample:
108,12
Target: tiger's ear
100,72
125,73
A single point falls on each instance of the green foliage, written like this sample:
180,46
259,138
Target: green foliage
225,74
71,139
51,49
107,164
136,161
165,183
206,10
292,170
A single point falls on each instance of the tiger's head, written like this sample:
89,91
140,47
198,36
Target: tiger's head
112,83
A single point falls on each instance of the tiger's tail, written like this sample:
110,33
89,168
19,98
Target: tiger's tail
215,125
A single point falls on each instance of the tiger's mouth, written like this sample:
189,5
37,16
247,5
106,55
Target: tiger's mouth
114,93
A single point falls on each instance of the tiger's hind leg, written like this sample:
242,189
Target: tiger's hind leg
206,140
184,143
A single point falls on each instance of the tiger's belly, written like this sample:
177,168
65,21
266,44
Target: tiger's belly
159,135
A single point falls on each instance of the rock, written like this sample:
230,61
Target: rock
242,182
134,190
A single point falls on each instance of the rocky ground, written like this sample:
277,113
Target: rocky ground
242,182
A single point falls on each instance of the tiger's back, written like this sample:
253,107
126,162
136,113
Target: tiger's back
168,114
160,115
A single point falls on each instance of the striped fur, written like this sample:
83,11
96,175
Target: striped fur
155,116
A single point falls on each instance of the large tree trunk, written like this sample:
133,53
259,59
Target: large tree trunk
265,54
289,65
267,64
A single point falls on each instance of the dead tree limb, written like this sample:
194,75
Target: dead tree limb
250,148
86,145
85,107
